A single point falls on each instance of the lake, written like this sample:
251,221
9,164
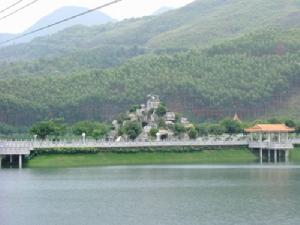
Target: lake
152,195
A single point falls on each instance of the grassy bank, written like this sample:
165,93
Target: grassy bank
141,158
295,155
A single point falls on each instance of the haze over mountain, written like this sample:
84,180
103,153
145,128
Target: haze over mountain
209,59
162,10
92,19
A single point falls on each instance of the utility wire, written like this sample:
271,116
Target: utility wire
18,10
60,21
9,7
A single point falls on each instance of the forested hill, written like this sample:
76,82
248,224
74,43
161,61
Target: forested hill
199,24
209,59
222,79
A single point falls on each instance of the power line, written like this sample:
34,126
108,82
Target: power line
9,7
61,21
18,10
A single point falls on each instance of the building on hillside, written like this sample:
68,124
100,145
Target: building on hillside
141,111
170,116
184,120
153,102
163,134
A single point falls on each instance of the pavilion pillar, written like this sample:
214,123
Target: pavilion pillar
10,159
20,161
260,155
287,156
279,138
269,155
269,137
260,137
275,155
0,161
251,136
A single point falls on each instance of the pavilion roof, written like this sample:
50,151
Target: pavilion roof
270,128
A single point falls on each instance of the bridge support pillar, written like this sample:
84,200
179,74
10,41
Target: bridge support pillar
20,161
287,156
0,161
275,155
260,155
269,155
10,159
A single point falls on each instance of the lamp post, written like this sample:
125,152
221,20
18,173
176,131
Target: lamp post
83,137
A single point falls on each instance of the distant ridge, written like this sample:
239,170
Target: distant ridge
92,19
162,10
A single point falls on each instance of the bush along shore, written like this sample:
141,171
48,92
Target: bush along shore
64,158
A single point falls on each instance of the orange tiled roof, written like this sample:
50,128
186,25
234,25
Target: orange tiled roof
270,128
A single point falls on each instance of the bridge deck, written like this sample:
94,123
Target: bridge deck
24,147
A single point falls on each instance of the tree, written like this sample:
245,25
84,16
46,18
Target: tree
133,129
274,121
153,132
46,128
86,127
232,126
192,133
161,110
161,123
202,130
90,128
179,129
216,129
291,123
100,131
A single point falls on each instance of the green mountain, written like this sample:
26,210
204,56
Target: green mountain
209,59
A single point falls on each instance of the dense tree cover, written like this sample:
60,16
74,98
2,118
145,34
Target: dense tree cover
220,80
132,129
71,80
43,129
198,24
90,129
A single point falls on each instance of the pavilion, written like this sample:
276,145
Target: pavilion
272,138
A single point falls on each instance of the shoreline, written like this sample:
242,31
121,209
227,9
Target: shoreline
92,158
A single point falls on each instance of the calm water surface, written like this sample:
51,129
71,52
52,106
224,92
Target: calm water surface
152,195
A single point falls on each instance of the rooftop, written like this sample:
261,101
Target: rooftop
270,128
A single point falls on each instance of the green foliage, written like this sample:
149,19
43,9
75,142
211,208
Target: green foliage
274,121
179,129
202,130
90,128
161,123
48,128
216,129
134,108
200,52
290,123
153,132
192,133
133,129
161,110
232,126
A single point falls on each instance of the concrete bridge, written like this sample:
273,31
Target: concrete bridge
21,148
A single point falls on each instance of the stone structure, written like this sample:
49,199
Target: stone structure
153,102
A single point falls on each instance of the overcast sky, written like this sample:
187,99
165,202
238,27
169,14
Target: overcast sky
126,9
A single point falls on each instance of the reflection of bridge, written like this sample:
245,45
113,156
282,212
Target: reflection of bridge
21,148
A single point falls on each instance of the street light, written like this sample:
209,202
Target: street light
83,137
